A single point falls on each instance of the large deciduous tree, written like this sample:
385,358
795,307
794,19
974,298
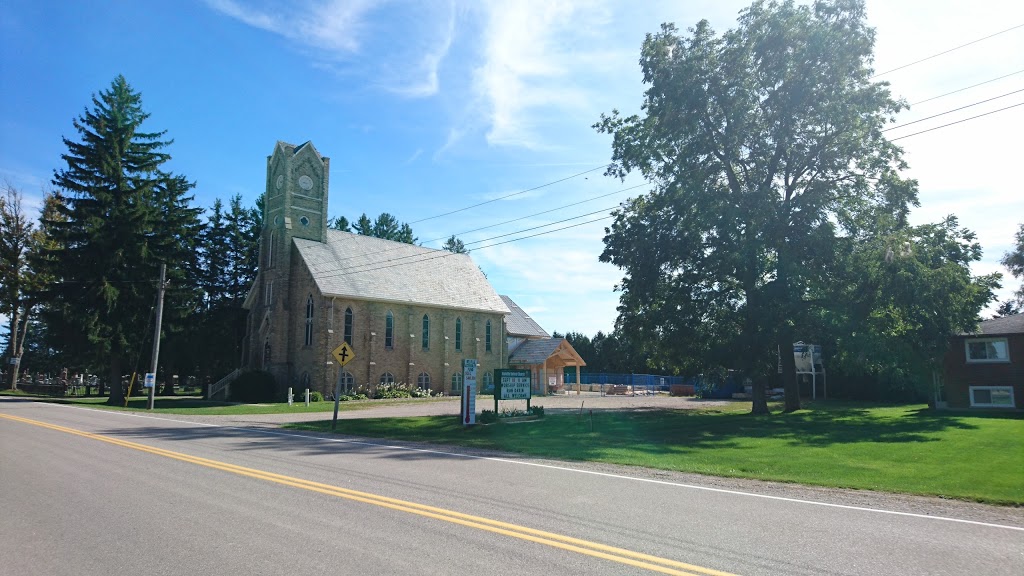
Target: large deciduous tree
1014,262
764,145
121,217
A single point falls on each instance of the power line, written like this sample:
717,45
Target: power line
509,195
446,254
966,88
953,110
564,206
947,51
957,122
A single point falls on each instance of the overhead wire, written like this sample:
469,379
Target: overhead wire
925,59
509,195
957,122
965,88
953,110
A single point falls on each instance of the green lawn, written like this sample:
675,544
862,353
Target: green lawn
898,449
196,405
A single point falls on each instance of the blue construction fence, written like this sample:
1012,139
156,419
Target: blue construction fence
704,387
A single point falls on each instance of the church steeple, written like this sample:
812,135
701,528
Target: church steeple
295,204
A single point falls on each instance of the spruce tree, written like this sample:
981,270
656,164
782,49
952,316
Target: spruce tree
121,218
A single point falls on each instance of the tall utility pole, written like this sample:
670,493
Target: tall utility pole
156,335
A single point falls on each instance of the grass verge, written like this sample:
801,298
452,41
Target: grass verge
198,406
908,449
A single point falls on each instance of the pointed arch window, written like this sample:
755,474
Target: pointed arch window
423,381
348,325
387,378
487,336
266,353
426,332
457,382
347,382
270,251
458,334
309,320
389,330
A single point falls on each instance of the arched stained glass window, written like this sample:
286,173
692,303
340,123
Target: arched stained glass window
309,321
426,332
389,330
458,334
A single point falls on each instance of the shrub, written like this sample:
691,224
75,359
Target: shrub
253,386
315,396
487,417
392,391
537,411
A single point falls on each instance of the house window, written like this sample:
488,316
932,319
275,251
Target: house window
309,320
347,381
981,350
458,334
426,332
387,378
348,326
487,336
457,382
268,293
389,331
423,381
992,397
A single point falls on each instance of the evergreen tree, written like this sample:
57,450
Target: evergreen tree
455,245
124,216
340,223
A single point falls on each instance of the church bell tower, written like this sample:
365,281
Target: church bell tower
294,206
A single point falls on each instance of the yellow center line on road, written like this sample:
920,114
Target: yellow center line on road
597,550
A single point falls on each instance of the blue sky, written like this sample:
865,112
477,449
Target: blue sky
427,107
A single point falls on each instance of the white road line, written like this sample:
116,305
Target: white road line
553,467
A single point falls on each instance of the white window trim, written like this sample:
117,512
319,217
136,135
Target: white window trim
269,293
967,351
1013,401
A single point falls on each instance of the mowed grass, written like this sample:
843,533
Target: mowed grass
908,449
195,405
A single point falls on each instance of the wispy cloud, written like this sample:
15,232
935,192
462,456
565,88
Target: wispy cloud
333,26
404,52
531,65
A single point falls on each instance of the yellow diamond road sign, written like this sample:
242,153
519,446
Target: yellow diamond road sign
343,354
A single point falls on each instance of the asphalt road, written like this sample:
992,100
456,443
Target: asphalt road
88,492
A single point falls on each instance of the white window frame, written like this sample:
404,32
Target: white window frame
269,293
967,351
1013,401
308,340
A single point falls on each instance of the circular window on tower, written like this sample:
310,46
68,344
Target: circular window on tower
277,220
304,221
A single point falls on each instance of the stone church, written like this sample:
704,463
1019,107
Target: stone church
411,314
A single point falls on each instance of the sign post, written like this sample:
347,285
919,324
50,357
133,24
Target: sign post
468,392
343,354
512,385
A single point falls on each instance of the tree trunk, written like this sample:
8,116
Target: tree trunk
760,403
12,345
789,383
114,380
168,379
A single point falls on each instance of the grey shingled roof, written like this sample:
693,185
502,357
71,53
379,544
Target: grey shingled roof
535,351
518,323
1005,325
367,268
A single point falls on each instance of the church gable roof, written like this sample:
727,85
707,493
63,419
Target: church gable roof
519,323
364,267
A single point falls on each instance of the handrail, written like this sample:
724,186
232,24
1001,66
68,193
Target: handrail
220,385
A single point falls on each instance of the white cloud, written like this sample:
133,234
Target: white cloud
403,54
533,65
333,26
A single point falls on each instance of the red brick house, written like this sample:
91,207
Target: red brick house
985,369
